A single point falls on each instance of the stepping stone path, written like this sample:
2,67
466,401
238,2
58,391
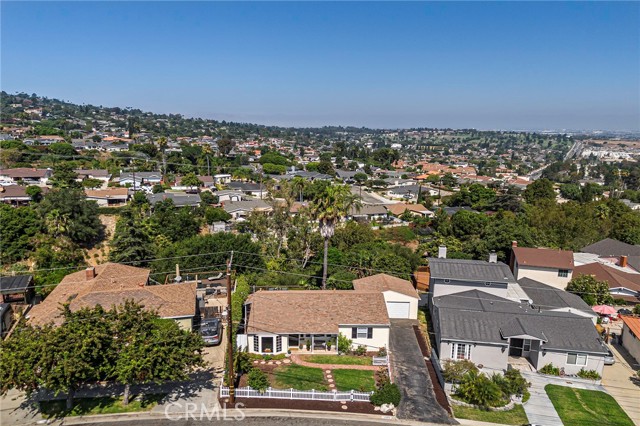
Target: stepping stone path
329,378
286,361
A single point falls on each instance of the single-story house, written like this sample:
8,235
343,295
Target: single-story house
228,195
111,284
495,332
368,212
221,179
15,195
279,321
180,199
415,209
407,192
252,189
553,267
399,295
102,175
242,209
25,176
622,285
17,289
630,336
140,178
108,197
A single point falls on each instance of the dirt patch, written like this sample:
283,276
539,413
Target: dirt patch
100,253
297,404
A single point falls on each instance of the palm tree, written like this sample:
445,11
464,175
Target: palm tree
298,184
334,203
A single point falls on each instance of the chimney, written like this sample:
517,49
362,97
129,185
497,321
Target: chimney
442,252
90,273
623,261
493,257
514,243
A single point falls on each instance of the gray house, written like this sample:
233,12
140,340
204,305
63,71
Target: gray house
497,333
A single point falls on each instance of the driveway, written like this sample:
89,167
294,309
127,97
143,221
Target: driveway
618,380
410,373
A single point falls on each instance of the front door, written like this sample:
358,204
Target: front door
515,347
267,344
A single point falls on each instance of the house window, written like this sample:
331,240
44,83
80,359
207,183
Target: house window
488,284
526,346
278,344
576,359
361,333
460,351
256,344
563,273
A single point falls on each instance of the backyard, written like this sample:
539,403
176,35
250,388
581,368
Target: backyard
93,406
515,416
578,407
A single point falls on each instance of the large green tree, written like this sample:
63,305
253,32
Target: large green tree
541,189
19,228
130,243
592,291
69,214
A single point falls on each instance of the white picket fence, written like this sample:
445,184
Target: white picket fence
248,392
380,360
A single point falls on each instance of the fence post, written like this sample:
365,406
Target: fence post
313,394
351,394
291,394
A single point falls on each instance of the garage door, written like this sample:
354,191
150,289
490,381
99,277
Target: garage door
398,309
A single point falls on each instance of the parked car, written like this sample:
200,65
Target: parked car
625,311
211,331
609,358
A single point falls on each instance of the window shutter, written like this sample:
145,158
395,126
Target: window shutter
369,333
256,344
354,332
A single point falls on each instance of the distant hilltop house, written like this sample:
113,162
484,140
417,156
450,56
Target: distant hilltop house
112,284
108,197
25,176
179,199
15,195
140,178
101,175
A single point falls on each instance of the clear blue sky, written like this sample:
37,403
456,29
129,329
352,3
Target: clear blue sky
487,65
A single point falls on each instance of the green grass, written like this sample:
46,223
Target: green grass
299,377
515,416
359,380
92,406
338,359
577,407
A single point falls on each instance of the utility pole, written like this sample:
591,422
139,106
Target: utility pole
230,373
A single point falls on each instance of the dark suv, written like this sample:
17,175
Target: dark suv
211,331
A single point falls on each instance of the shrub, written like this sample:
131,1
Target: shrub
619,301
381,377
550,369
386,394
308,344
454,371
588,374
361,350
476,388
514,383
636,309
243,362
258,380
382,351
344,344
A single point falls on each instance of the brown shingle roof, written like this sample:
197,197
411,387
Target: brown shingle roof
107,193
314,311
112,286
400,208
384,282
614,277
544,258
24,172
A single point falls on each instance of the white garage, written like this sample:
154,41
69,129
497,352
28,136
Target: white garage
399,309
399,295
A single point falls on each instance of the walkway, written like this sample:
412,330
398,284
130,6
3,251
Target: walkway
619,380
410,373
299,359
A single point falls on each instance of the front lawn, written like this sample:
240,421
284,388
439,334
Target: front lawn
298,377
105,405
515,416
338,359
578,407
359,380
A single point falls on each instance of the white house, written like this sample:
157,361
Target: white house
630,336
25,176
552,267
281,321
400,297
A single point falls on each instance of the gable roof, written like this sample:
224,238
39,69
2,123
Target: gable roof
112,285
611,247
107,193
13,191
491,319
15,284
470,270
384,282
25,172
314,311
547,297
368,210
544,258
612,276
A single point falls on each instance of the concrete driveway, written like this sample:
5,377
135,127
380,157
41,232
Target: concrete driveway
618,379
410,373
